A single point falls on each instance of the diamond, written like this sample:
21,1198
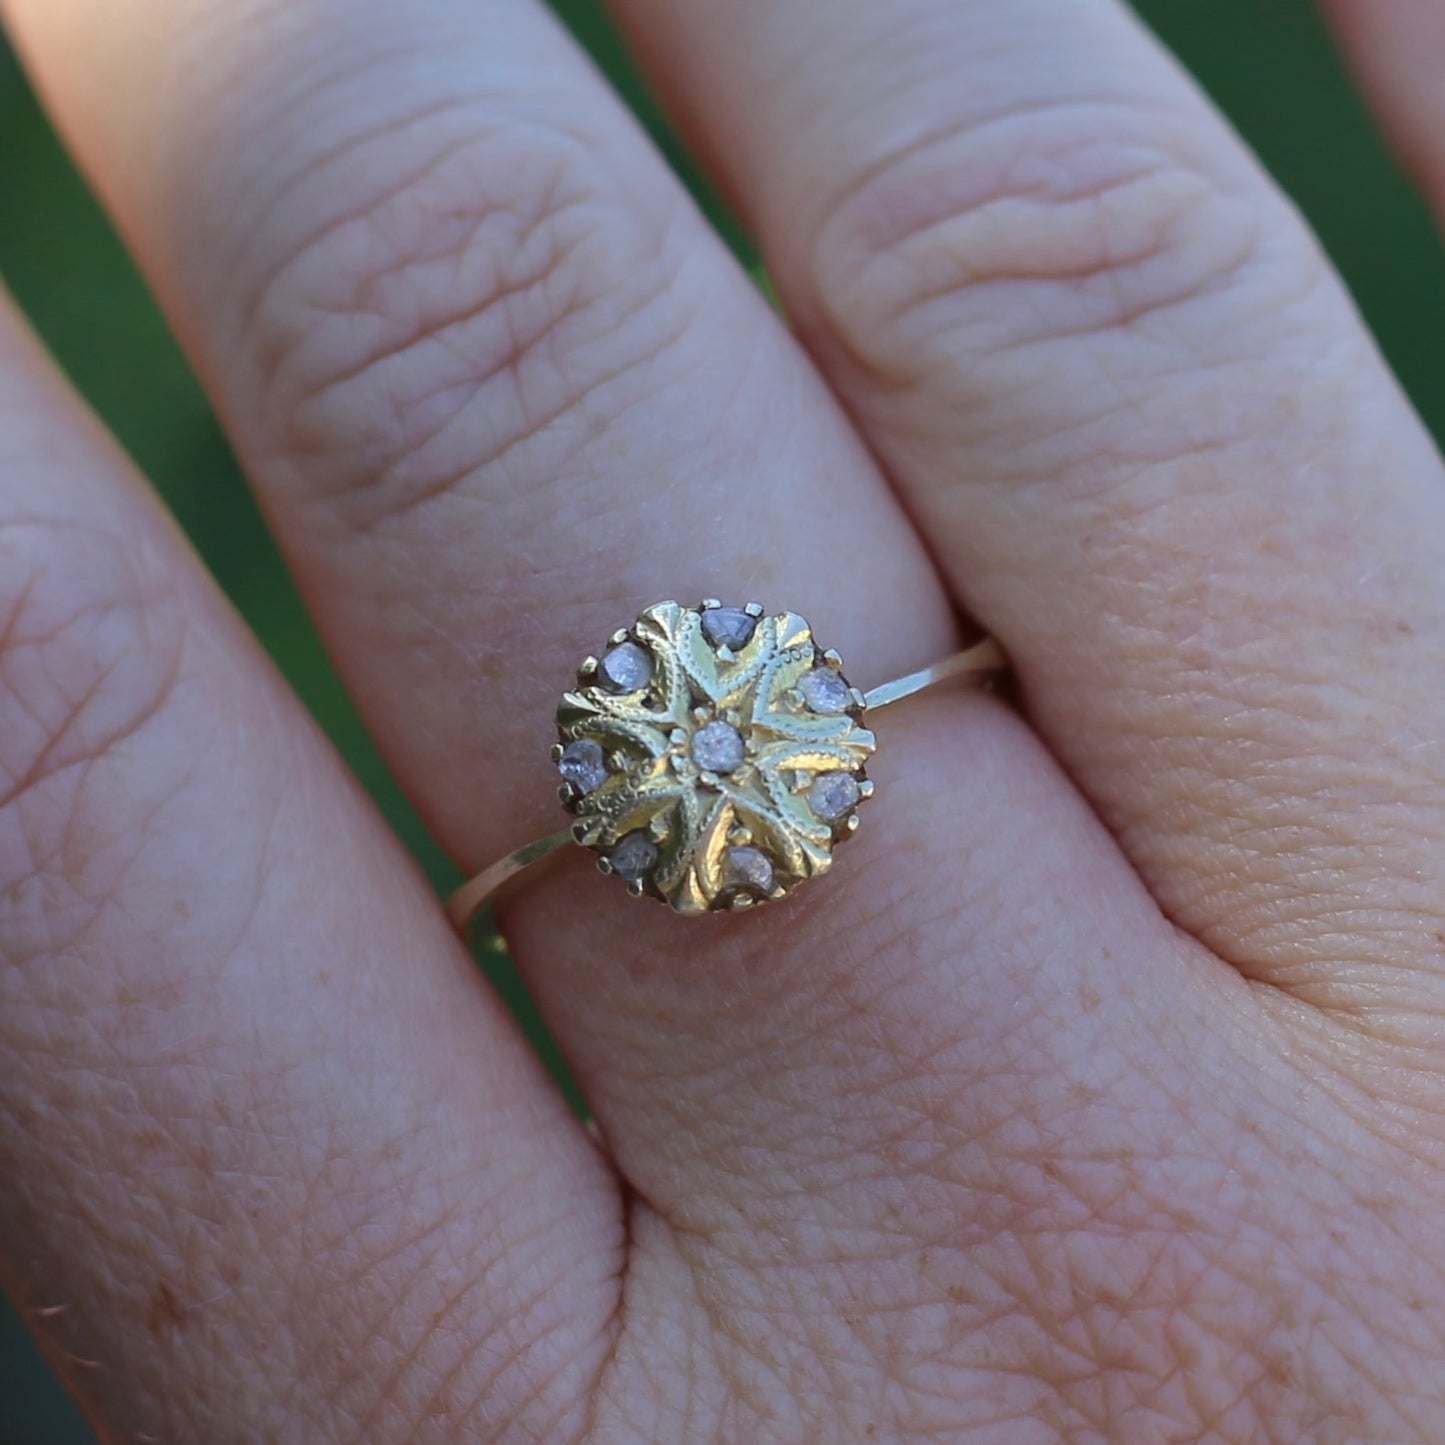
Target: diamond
833,794
748,868
825,691
627,668
718,748
634,857
584,765
728,627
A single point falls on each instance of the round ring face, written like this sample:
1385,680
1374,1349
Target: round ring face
713,756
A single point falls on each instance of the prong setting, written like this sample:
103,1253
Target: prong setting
691,751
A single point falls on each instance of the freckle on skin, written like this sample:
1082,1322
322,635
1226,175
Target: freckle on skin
165,1310
1279,1368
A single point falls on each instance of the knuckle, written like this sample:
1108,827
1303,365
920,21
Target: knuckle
90,653
496,293
1037,226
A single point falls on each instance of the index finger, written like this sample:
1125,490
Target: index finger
271,1160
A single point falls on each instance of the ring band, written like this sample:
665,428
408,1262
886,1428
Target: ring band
713,757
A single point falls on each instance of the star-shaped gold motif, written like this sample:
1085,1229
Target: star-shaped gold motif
713,756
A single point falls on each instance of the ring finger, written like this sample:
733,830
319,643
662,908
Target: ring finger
1157,453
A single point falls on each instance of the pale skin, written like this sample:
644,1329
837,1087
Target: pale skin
1097,1095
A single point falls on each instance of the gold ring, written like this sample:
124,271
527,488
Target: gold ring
713,757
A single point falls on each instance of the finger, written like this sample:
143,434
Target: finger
1154,449
485,360
271,1164
1396,46
500,390
841,1118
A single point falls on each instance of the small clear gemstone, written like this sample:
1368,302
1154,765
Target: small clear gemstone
748,868
584,764
634,857
626,668
718,747
824,691
833,794
728,627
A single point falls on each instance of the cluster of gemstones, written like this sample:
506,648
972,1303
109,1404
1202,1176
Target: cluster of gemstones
713,756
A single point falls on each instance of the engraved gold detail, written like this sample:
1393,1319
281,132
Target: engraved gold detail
747,829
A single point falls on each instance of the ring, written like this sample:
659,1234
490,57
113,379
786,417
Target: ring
713,757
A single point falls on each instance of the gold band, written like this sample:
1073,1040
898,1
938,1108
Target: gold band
464,905
981,661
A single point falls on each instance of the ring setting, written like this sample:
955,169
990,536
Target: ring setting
714,757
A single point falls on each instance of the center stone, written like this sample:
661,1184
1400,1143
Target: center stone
718,748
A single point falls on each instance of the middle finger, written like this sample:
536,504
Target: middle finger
499,388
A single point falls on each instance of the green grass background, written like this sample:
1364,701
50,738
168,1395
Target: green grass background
1267,62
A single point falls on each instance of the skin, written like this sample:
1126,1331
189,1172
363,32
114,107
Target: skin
1098,1095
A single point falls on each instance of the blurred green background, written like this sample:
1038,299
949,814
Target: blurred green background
1267,62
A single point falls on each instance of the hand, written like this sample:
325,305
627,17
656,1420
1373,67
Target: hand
1097,1095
